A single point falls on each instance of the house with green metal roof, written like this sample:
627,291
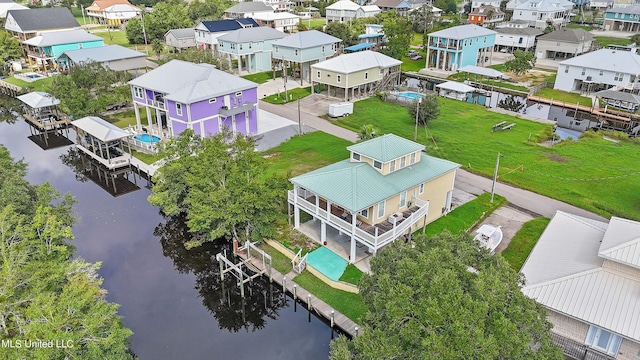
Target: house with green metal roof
387,188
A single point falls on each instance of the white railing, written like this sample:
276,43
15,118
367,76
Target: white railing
141,145
157,104
116,162
301,264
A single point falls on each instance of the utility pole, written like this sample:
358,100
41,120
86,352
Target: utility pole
415,133
299,122
495,177
83,19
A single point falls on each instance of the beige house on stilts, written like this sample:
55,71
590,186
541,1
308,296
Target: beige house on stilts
356,74
388,187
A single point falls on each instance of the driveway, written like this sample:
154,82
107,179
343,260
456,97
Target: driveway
510,219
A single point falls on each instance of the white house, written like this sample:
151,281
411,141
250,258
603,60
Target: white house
247,9
601,4
112,12
563,43
208,32
282,21
586,273
510,39
477,3
599,70
345,11
541,13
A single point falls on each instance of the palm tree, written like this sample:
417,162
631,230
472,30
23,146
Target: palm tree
368,132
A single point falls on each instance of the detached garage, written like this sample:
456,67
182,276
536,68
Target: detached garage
114,57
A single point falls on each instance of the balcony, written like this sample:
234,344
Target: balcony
576,350
374,236
157,104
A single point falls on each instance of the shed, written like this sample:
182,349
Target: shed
454,90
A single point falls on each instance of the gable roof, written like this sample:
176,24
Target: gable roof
38,99
44,19
544,5
350,184
621,242
266,16
343,5
462,32
102,54
630,9
9,5
252,34
103,4
485,9
185,33
566,273
100,129
395,4
386,147
187,82
228,24
626,62
357,61
307,39
249,6
62,37
569,35
367,8
519,31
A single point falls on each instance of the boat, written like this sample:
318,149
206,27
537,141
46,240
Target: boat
489,237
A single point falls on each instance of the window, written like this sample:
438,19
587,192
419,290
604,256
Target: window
616,15
377,164
566,69
617,77
318,74
403,162
138,92
240,46
322,48
473,17
421,188
211,101
296,51
276,48
339,78
520,40
239,93
413,159
356,157
179,109
603,340
485,39
403,199
601,72
534,13
381,209
584,70
365,213
366,75
392,166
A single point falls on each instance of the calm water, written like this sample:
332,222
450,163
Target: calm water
171,298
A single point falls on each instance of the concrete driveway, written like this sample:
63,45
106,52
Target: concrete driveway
510,219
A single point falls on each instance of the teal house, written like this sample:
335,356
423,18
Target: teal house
458,46
251,46
305,48
623,19
45,48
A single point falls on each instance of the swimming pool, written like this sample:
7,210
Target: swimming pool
33,76
410,95
147,138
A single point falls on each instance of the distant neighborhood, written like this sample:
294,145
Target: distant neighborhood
363,127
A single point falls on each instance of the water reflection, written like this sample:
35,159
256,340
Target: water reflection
222,298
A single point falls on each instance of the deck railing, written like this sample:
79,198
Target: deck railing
577,350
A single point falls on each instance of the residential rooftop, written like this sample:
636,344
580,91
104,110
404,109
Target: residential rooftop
307,39
348,63
462,32
607,59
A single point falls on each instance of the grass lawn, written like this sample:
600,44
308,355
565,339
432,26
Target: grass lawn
124,119
351,305
591,173
278,260
351,274
262,77
605,40
145,158
522,243
567,97
413,65
304,153
315,22
462,76
294,94
577,26
38,85
115,38
464,216
416,39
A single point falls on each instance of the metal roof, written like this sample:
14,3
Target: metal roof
343,5
185,33
462,32
187,82
356,185
38,99
396,4
228,24
621,242
619,95
261,33
62,37
249,6
358,47
567,35
456,86
370,36
631,9
519,31
386,147
479,70
566,272
100,129
625,62
357,61
275,16
9,5
102,54
545,5
44,19
307,39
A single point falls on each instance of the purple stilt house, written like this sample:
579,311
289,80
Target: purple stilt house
181,95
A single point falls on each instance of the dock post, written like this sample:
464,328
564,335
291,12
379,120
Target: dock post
356,332
284,285
221,269
295,287
241,286
309,302
332,320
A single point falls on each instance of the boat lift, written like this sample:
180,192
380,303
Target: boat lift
236,270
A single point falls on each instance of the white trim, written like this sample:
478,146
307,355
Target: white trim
383,202
403,199
353,156
392,166
374,164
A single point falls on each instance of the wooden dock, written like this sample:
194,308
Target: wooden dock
10,89
334,317
599,112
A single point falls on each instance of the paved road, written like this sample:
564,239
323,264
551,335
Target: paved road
465,180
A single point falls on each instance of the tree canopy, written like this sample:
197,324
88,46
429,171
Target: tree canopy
343,32
428,108
10,49
219,184
165,16
398,32
45,293
198,56
446,298
522,62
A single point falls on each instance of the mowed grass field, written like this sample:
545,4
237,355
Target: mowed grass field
593,173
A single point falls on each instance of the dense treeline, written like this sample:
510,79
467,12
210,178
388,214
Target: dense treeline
47,296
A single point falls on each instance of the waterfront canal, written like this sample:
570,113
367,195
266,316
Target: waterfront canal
171,298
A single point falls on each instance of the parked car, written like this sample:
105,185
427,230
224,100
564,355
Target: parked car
412,53
416,57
